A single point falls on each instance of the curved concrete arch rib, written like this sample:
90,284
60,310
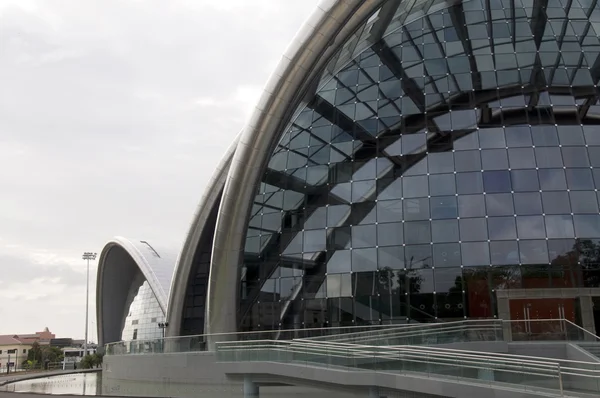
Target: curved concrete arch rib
198,239
329,27
123,267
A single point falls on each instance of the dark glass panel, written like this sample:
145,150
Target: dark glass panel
528,203
475,253
444,231
552,180
467,161
504,252
502,228
446,255
525,180
496,181
492,138
339,262
443,207
416,232
473,229
548,157
521,158
364,260
533,252
389,210
416,209
556,202
544,136
442,162
417,256
494,159
414,187
575,157
570,136
442,184
587,226
469,183
500,204
531,227
389,189
583,202
364,236
518,136
339,238
390,234
560,226
471,206
579,179
391,257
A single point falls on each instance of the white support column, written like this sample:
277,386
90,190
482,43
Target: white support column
250,388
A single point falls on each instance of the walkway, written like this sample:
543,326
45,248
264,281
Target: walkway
424,370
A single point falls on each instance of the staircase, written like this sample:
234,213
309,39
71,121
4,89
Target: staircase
592,348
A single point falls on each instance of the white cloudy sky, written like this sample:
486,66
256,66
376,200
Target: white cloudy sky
113,114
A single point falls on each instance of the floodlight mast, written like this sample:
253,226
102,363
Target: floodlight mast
87,256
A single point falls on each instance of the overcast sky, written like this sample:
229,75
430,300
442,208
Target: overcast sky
113,115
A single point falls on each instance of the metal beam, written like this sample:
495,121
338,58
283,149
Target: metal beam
457,15
390,60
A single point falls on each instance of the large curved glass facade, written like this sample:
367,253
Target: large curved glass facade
144,315
456,155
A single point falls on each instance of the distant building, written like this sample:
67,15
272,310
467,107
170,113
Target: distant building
14,347
13,351
75,353
42,338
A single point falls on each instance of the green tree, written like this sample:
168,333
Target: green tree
91,361
41,354
35,352
30,364
97,359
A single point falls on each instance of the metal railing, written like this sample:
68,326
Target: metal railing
438,333
469,330
380,335
198,342
523,372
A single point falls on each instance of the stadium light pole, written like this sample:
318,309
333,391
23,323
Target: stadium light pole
87,256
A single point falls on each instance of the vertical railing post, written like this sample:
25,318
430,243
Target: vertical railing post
560,382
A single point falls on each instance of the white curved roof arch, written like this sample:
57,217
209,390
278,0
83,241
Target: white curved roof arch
199,237
314,46
124,265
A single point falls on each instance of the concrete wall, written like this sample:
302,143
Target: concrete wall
198,374
499,347
190,375
556,350
576,353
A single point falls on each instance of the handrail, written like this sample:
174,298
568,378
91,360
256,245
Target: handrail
409,352
272,331
367,333
520,368
416,327
449,350
401,333
585,331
